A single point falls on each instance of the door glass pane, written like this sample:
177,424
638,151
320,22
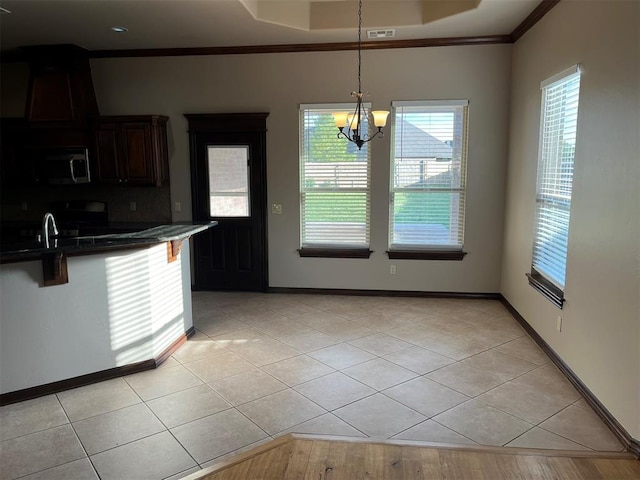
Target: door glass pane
228,181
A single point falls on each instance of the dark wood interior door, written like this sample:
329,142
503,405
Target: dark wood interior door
228,185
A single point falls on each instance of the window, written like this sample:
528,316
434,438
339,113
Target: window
556,153
428,176
334,187
228,181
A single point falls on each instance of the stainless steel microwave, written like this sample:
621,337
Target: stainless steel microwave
66,166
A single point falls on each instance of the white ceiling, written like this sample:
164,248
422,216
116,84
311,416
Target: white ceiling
220,23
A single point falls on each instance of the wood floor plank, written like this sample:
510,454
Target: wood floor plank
608,468
299,461
451,467
573,469
622,469
397,465
526,467
340,461
429,459
301,457
274,461
373,467
355,461
316,470
413,462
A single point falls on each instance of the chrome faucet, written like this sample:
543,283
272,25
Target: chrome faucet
46,220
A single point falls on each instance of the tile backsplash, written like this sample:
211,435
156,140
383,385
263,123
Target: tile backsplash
151,204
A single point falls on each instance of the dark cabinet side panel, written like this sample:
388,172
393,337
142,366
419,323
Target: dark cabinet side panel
106,165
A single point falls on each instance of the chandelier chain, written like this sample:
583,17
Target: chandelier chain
350,126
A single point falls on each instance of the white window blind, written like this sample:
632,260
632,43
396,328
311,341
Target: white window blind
428,175
559,118
334,182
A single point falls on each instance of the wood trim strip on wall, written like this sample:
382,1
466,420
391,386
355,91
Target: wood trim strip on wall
630,443
385,293
303,47
88,379
534,17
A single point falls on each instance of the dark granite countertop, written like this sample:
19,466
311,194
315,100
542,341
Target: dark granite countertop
87,245
164,233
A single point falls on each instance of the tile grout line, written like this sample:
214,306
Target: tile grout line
84,449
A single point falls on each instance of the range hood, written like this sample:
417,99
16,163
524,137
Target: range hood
61,101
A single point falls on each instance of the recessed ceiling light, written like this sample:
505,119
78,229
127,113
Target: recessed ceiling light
120,29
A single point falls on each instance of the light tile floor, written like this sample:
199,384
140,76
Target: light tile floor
261,365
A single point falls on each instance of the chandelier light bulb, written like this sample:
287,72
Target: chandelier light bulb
380,118
341,119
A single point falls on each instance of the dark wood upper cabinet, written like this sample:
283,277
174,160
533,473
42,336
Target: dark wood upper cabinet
132,150
62,111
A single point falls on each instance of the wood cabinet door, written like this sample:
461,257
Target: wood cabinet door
132,150
138,157
50,99
106,169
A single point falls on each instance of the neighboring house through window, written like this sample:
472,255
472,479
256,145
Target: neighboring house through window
428,179
334,187
558,125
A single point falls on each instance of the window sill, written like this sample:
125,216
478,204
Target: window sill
546,288
335,252
457,255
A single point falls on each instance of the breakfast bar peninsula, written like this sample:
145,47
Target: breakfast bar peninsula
78,310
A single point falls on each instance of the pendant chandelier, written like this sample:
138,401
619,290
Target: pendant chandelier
351,124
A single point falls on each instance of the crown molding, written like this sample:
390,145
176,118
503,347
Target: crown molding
534,17
540,11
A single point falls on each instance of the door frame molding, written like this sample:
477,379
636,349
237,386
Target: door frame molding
208,123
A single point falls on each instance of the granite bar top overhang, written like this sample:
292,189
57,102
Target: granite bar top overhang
87,245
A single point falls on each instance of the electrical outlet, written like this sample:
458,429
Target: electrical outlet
132,206
392,269
559,324
177,206
276,209
24,207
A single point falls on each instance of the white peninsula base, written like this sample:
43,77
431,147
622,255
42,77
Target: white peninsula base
119,308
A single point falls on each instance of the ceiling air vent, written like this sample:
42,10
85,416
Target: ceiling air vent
389,33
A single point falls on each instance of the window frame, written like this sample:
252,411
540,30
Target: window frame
429,251
553,288
332,250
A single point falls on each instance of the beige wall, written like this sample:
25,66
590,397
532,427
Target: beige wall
600,338
278,83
